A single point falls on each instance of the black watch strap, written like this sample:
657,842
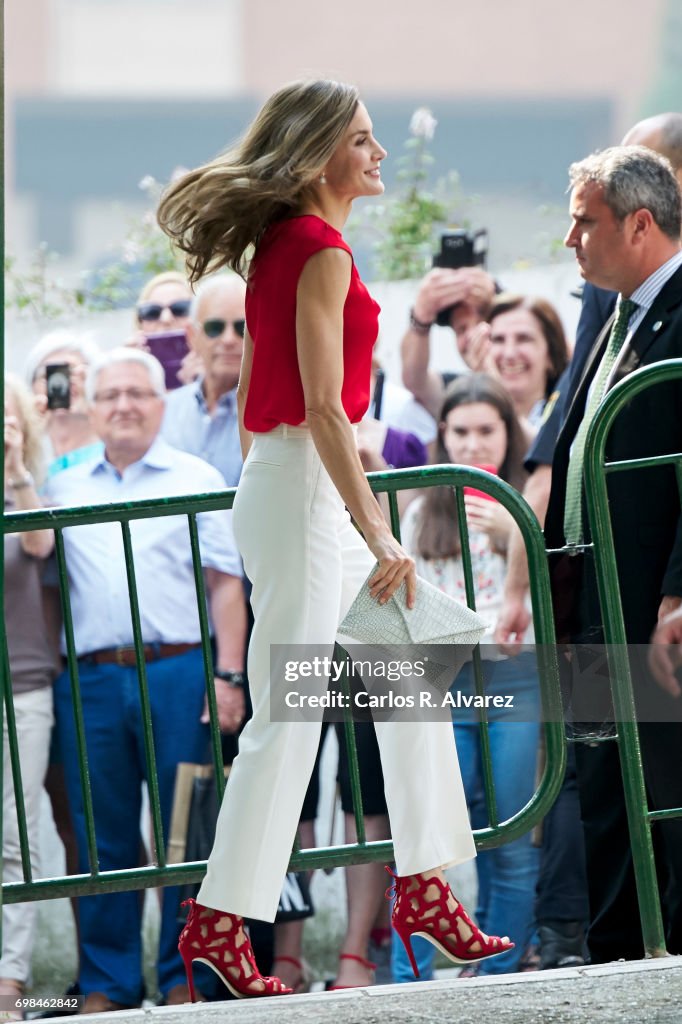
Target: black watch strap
230,676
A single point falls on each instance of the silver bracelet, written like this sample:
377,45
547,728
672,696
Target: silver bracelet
21,482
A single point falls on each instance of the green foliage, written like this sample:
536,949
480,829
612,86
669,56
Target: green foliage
405,224
143,252
38,291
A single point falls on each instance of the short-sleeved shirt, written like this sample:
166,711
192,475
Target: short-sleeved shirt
161,546
30,658
214,437
275,388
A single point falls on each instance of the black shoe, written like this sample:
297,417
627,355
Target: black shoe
562,944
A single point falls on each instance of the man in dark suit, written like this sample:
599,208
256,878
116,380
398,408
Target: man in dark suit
560,906
663,134
625,208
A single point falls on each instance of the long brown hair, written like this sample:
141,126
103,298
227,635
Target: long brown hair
216,212
437,534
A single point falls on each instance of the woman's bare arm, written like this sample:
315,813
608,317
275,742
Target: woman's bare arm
321,295
245,436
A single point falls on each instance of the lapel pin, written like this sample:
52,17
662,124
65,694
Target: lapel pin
657,326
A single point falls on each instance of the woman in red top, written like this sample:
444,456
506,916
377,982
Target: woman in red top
286,190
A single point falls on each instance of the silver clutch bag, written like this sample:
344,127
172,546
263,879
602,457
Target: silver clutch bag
435,619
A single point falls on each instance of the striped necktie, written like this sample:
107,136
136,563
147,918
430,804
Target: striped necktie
573,509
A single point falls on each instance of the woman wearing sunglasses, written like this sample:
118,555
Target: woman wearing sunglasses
163,307
287,189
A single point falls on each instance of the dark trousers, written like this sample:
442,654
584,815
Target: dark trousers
561,893
614,912
614,930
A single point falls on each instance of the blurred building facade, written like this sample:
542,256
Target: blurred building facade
100,93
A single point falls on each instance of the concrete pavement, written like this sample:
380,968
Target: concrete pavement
638,992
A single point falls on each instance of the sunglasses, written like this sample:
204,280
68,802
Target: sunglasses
214,328
153,310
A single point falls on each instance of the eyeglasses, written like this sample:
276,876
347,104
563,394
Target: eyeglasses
153,310
214,328
133,394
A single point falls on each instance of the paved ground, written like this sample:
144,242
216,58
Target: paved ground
641,992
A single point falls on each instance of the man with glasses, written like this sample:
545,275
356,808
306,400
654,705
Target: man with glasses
125,389
201,417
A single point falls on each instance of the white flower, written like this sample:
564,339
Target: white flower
147,183
423,123
131,252
179,172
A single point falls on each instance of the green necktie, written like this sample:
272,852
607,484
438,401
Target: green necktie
573,510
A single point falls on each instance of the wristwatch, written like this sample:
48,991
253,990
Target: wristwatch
230,676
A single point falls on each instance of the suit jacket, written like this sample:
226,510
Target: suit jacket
597,306
644,504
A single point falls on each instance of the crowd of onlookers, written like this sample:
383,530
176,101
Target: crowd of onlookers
156,417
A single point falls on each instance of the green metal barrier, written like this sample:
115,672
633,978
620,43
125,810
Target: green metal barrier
640,818
160,873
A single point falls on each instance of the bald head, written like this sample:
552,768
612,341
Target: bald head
230,287
662,133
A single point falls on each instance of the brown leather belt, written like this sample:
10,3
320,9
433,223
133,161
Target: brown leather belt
126,657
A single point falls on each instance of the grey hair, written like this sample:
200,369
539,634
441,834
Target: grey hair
61,340
634,178
114,356
209,285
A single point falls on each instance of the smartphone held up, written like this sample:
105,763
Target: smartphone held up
170,348
58,385
474,491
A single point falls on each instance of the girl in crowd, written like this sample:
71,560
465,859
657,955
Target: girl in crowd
285,192
479,427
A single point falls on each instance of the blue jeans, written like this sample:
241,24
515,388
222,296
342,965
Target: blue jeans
110,925
507,874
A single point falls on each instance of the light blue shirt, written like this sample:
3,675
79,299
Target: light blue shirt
190,426
161,548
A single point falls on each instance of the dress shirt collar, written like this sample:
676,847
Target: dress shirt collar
647,291
158,456
225,401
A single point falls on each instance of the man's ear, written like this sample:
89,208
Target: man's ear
641,224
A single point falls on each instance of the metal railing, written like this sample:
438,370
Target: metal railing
597,469
160,872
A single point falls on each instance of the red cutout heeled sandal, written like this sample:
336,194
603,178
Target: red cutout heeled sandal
218,940
367,964
417,911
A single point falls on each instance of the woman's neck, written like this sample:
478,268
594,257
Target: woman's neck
328,209
524,406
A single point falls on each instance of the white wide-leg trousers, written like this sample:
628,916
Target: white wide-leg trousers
307,562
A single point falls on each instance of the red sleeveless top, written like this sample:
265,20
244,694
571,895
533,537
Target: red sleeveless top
275,389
